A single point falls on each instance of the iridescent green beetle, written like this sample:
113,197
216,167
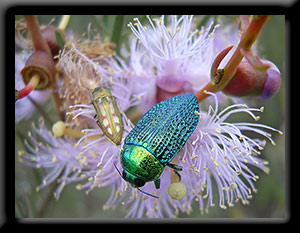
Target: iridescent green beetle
158,136
108,114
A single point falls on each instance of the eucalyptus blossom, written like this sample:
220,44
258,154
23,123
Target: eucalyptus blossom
168,56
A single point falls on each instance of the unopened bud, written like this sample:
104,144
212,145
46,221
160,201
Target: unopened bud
273,82
177,190
59,128
248,81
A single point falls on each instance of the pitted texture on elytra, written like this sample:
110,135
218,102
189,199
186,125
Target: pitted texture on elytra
165,128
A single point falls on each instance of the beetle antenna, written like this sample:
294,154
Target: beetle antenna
137,187
117,170
147,193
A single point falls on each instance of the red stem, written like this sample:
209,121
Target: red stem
248,38
29,87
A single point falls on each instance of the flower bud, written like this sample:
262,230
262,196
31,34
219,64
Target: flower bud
273,82
59,128
39,63
248,81
177,190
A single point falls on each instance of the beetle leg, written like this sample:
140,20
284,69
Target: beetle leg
157,183
174,166
98,123
179,176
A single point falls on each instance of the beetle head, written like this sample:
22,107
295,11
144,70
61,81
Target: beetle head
132,179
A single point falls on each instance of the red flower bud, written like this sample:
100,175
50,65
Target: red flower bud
273,82
248,81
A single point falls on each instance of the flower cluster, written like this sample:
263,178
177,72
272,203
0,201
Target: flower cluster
165,60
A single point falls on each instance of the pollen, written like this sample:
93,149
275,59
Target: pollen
194,156
233,186
205,196
223,207
267,170
265,162
54,158
218,130
255,178
214,161
235,148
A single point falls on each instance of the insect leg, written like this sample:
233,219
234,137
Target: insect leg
179,176
157,183
174,166
98,123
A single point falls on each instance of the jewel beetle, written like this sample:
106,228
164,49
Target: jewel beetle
108,114
157,137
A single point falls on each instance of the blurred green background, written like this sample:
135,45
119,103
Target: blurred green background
268,202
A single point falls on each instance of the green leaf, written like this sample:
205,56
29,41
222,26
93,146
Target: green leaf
60,39
18,210
117,31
